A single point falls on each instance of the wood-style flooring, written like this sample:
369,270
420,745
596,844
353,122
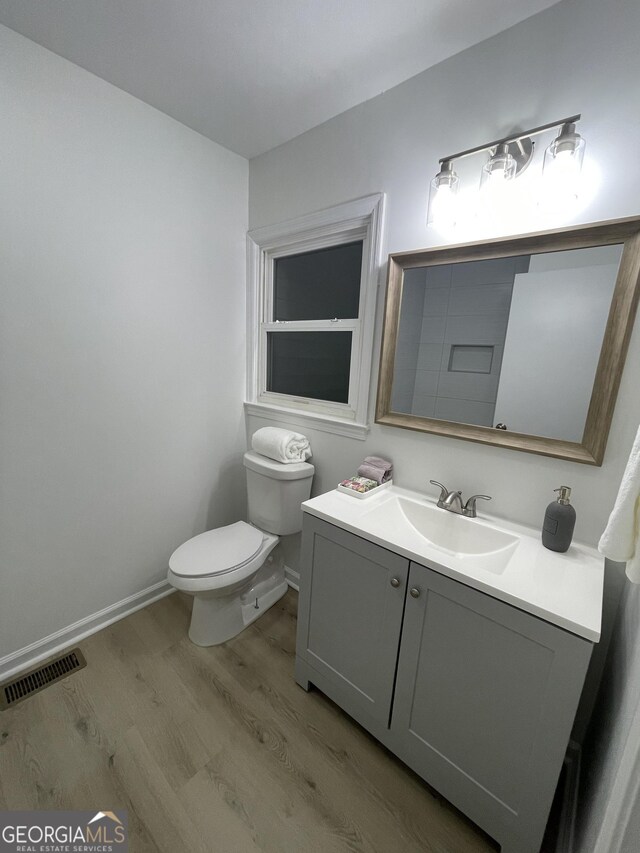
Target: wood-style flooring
217,749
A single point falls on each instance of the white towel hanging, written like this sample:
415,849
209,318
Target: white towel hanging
621,539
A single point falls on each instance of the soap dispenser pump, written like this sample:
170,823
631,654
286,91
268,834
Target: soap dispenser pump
559,522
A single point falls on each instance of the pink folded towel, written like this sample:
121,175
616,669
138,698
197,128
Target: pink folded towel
376,468
379,462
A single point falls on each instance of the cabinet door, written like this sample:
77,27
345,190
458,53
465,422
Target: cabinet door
349,619
485,699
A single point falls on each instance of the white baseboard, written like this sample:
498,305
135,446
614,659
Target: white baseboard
30,655
292,578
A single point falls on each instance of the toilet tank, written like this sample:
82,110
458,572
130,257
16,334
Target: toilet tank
275,492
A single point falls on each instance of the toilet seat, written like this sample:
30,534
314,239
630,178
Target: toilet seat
217,552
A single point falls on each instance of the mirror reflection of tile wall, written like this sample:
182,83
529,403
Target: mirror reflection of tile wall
453,324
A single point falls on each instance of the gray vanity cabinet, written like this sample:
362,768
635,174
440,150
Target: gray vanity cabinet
484,704
349,620
478,697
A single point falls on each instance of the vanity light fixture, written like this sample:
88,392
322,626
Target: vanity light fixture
508,158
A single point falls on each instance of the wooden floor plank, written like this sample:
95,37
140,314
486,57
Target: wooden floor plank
153,798
217,749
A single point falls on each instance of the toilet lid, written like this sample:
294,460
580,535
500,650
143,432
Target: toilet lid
217,551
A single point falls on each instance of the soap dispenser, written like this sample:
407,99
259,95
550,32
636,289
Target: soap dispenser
559,521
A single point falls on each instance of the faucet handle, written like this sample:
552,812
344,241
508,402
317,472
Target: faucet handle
444,491
470,506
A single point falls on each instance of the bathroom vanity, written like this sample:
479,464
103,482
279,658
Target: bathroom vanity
461,644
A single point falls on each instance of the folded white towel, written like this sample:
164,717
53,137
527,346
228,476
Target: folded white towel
621,539
281,445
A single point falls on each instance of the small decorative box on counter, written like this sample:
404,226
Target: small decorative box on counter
362,487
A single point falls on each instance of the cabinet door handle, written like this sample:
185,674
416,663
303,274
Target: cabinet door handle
395,582
415,592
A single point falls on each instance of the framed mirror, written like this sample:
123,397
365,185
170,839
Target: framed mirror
517,342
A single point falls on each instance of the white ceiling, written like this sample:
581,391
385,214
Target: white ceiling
251,74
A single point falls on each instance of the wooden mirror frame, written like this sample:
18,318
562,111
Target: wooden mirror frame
612,355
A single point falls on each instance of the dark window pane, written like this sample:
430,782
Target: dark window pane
318,285
309,364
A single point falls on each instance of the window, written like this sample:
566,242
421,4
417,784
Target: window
312,287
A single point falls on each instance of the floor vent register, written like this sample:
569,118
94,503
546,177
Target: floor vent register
38,679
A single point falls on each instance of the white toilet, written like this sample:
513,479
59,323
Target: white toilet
228,570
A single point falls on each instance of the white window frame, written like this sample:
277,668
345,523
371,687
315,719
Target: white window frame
353,221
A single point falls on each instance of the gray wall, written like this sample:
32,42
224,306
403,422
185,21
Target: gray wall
446,308
465,305
121,341
557,320
577,56
408,349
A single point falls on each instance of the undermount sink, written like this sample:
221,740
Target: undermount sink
460,537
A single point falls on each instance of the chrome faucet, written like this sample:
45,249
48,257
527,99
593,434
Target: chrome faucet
452,501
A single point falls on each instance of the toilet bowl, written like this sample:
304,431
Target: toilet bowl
230,570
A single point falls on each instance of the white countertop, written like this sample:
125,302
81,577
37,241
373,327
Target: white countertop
565,589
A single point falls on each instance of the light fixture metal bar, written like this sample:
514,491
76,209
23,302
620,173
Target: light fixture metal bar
512,137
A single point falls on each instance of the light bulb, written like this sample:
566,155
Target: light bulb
444,203
496,186
494,183
442,210
499,170
562,168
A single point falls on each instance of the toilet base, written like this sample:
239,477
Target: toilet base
216,619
